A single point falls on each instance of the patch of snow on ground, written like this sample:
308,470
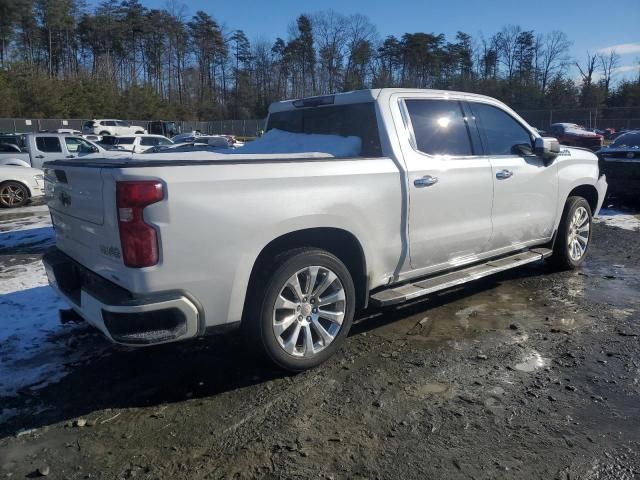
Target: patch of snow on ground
26,231
616,218
33,349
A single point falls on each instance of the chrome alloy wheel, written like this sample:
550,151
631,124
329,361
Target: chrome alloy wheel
309,311
578,236
12,194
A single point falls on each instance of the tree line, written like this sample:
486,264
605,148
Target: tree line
58,58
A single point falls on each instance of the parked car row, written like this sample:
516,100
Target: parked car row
22,155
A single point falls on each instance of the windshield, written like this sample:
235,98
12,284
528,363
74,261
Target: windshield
357,120
627,140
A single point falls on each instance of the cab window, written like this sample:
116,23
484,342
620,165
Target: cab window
77,145
501,133
439,127
48,144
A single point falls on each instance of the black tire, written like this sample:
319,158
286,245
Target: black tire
13,194
104,134
139,133
260,322
562,257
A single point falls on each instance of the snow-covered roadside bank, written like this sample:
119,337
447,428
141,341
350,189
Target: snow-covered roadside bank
616,218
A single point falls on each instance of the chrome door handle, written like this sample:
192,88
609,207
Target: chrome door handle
39,156
504,174
425,181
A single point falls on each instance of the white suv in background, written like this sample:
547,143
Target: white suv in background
111,127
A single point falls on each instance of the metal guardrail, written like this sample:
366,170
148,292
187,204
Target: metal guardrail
244,128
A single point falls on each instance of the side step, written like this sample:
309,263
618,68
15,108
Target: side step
421,288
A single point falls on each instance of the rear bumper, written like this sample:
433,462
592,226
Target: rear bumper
124,318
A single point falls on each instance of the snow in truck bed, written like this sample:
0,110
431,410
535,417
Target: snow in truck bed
274,142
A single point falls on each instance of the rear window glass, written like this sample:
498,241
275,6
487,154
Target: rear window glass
149,141
358,120
629,140
48,144
9,147
124,141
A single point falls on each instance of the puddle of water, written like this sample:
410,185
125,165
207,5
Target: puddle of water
434,388
431,389
532,362
508,306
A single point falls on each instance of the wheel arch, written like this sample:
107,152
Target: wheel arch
341,243
17,162
588,192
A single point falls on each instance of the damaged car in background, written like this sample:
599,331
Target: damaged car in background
572,135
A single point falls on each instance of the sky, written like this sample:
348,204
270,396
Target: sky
591,25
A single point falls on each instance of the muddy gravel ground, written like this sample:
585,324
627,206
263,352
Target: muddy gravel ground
529,374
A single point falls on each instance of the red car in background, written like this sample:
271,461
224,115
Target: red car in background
573,135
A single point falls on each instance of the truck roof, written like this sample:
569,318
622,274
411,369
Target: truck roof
360,96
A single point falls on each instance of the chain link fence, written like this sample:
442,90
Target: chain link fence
240,128
601,118
613,117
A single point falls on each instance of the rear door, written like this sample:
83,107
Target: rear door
525,188
450,185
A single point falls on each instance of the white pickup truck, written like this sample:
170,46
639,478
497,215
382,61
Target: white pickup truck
373,197
41,147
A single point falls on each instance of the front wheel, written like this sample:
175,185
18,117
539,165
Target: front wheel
307,308
13,194
574,234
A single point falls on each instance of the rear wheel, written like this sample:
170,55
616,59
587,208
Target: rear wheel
574,234
104,133
13,194
306,309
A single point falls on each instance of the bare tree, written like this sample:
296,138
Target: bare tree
608,62
588,68
553,57
506,42
330,31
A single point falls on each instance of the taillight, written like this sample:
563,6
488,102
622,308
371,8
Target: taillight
138,239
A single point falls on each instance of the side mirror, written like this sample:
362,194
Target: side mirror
547,148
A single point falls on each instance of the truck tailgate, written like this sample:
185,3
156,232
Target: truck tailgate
75,192
76,199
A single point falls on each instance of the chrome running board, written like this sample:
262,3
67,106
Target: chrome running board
408,291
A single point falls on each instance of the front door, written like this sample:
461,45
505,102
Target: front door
450,186
525,187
